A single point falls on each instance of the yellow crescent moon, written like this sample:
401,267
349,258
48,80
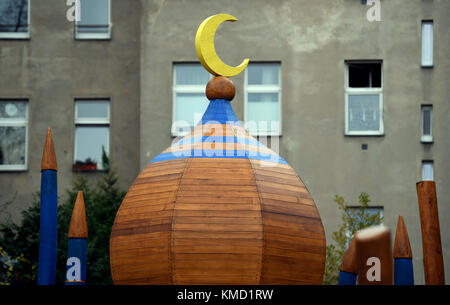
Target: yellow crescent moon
204,45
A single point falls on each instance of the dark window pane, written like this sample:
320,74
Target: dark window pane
12,145
427,122
364,75
14,16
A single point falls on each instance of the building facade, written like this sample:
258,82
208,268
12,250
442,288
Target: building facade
352,94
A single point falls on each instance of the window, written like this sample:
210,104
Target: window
94,20
189,99
91,132
427,171
14,19
263,99
427,43
427,135
364,99
13,134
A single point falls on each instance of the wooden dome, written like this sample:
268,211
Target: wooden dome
218,207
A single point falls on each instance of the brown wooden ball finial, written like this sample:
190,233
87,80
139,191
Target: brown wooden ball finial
220,87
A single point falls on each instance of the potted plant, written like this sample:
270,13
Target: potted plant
86,166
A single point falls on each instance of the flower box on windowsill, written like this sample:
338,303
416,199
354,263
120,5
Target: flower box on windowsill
84,167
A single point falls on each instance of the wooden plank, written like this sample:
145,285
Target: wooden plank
270,253
199,172
283,197
213,193
216,199
213,243
292,180
138,223
218,235
293,231
281,187
215,279
222,181
217,227
290,209
158,178
294,239
181,257
139,237
144,215
141,230
217,220
245,213
294,246
282,219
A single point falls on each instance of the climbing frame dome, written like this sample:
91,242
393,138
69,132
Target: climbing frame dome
218,207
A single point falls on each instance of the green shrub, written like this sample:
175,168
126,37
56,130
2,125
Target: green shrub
353,220
22,241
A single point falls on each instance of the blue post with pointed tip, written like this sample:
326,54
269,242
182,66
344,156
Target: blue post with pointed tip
48,215
77,249
403,266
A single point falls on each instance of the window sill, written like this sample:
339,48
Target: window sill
6,169
93,36
364,134
426,141
14,36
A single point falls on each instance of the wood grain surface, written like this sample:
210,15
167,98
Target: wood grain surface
217,221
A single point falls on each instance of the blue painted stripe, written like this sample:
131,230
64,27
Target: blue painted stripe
346,278
76,273
48,228
209,153
403,271
219,139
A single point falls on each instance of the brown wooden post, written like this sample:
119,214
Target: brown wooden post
373,246
433,262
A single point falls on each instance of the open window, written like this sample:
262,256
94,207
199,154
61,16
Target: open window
364,98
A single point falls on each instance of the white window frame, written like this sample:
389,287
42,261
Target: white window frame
100,121
17,122
263,89
428,162
426,138
424,62
363,91
182,89
19,35
95,36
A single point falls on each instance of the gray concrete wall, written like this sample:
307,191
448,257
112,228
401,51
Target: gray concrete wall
51,69
312,39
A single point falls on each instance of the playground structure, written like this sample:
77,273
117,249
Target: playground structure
219,207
